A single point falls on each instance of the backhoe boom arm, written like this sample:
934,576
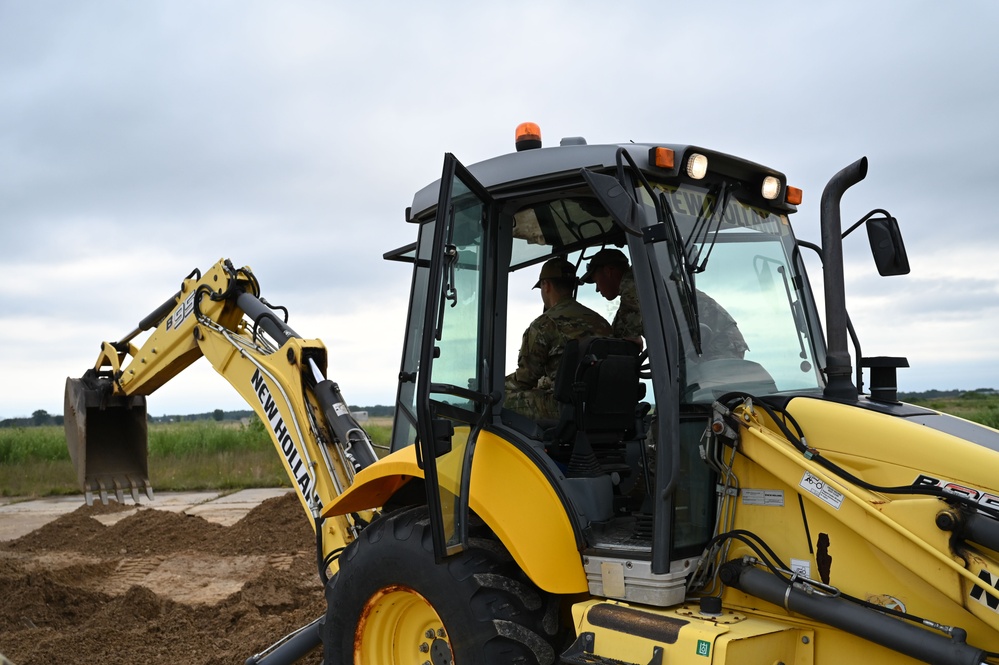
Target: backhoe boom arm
220,316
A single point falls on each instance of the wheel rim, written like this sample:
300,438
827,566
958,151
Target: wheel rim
398,626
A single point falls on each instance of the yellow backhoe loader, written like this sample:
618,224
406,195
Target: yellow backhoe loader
721,490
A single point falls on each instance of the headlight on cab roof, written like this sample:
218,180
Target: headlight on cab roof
697,166
771,188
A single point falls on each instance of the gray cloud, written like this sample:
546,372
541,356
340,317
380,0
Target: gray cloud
141,140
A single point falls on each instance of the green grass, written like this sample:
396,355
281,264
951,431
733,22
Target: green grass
34,461
29,444
225,455
978,407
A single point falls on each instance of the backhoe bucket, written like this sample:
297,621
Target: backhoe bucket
107,440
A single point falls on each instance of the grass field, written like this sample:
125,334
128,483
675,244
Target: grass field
203,454
980,407
224,455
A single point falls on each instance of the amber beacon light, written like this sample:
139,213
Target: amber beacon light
528,136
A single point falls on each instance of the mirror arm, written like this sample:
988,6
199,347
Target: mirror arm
864,219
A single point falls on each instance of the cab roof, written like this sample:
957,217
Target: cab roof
518,171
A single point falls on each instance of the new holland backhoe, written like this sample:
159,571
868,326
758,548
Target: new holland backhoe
687,506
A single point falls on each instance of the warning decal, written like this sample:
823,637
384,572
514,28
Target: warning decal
818,487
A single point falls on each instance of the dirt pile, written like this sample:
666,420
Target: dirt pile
158,587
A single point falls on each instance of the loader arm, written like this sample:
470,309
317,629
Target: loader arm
282,376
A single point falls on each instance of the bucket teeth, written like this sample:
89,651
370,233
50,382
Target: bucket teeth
103,488
107,439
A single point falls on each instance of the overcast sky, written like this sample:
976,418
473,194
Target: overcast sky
140,140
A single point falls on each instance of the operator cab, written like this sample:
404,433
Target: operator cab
725,307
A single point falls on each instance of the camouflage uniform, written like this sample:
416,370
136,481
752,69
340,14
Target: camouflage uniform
725,340
628,319
529,390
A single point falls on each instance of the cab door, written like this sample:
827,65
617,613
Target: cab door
452,398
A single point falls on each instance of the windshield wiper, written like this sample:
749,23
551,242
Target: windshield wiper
627,213
761,265
702,230
682,272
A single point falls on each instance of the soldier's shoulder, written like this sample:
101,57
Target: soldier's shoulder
581,317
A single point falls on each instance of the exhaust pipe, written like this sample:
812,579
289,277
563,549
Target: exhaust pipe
839,372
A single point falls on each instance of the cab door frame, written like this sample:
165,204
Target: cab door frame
441,404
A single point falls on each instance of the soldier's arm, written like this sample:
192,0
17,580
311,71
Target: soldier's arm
531,359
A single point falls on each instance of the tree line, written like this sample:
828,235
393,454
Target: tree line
41,417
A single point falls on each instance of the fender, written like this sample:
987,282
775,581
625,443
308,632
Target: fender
508,492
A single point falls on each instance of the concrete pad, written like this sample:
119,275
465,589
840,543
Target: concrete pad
254,495
177,502
229,509
19,517
112,518
173,502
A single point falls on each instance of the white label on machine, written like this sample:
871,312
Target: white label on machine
818,487
773,498
802,567
341,409
612,577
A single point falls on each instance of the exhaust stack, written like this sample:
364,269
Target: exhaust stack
839,371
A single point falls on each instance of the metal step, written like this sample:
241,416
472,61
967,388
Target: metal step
581,653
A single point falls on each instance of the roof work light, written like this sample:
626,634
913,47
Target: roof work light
771,188
697,166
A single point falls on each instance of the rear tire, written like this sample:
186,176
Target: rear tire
390,604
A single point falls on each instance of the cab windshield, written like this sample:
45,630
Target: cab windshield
745,315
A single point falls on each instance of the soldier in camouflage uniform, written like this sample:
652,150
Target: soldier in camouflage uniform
724,340
530,389
609,270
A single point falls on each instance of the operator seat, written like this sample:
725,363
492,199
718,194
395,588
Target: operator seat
598,388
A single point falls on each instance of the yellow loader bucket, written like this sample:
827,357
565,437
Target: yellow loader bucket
107,440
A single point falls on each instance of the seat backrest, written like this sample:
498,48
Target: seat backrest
598,385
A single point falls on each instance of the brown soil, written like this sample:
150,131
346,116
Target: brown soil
158,587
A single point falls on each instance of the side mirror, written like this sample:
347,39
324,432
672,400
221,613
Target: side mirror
620,205
887,246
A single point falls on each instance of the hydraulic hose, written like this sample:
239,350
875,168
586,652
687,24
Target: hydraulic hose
840,613
352,437
264,317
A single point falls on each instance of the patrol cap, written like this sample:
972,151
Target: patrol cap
605,257
556,268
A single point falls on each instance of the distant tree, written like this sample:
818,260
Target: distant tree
57,420
218,415
376,411
41,417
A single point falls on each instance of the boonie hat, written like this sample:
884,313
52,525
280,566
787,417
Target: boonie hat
557,268
605,257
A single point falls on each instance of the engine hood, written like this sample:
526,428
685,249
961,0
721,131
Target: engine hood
902,445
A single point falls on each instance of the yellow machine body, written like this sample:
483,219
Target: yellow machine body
508,492
106,418
706,486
